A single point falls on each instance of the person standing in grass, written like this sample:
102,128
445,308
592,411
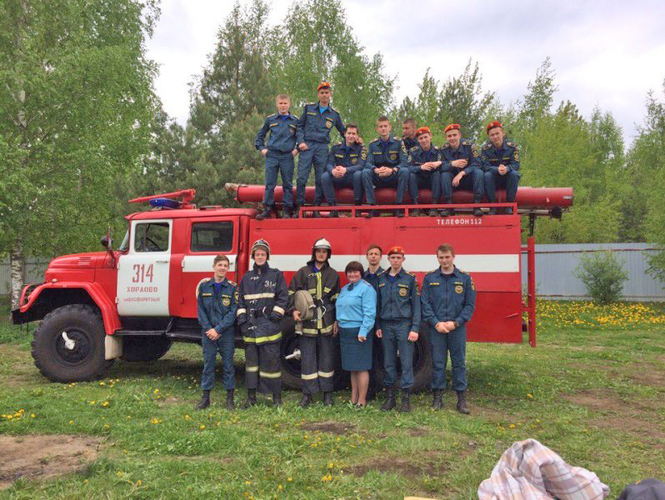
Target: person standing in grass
217,300
356,312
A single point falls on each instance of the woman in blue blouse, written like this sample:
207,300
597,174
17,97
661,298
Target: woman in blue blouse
356,312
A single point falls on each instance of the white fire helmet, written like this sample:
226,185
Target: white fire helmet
261,244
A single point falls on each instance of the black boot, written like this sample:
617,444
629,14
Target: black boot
389,403
296,212
461,403
277,399
205,401
333,213
406,402
287,212
372,213
327,398
445,212
508,211
433,212
492,210
398,213
266,213
478,212
251,399
437,402
414,213
230,404
306,400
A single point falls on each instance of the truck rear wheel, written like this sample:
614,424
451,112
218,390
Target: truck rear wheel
144,348
68,346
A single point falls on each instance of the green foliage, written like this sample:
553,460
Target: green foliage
603,275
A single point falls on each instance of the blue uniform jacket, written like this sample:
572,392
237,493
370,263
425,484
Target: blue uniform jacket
216,309
398,299
386,154
282,133
409,144
448,297
508,154
353,158
417,156
373,279
314,126
466,151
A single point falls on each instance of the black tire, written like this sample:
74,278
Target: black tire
144,348
55,359
422,363
291,367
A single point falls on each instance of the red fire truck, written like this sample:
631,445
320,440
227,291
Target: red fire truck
134,301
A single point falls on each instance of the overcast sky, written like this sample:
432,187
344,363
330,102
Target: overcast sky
605,53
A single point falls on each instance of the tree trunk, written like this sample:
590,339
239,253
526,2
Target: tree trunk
16,264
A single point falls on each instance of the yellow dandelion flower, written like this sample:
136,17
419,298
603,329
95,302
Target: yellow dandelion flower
289,479
202,427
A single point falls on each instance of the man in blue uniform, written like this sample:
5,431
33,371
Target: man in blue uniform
373,255
448,300
217,300
262,298
279,154
385,166
424,163
344,169
398,324
409,134
501,163
313,137
461,169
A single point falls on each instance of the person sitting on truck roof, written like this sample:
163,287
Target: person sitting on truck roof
397,324
345,164
217,300
409,134
501,163
262,298
385,166
424,163
313,137
279,154
461,169
448,301
316,343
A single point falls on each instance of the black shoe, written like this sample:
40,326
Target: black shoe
445,212
398,213
230,404
492,211
333,213
389,403
306,400
287,213
277,399
414,213
478,212
433,213
461,403
437,401
328,399
406,403
265,214
251,399
372,213
205,401
508,211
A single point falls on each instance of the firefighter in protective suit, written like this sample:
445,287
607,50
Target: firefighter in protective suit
316,343
262,298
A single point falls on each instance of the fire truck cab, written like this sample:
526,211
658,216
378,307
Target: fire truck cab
134,301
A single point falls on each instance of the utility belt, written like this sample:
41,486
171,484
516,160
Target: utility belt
259,313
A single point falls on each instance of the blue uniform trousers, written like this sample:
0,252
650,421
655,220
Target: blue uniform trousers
224,345
353,179
425,180
493,180
277,161
317,154
442,343
370,179
470,182
395,334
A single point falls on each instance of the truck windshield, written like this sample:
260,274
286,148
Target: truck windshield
124,246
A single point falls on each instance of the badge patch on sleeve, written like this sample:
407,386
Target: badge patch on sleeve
329,124
459,289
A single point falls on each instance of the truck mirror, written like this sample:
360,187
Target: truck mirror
106,242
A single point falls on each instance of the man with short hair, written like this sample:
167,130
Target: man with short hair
448,301
385,166
501,163
316,342
217,301
313,137
461,169
345,164
279,154
397,324
262,298
373,255
424,163
409,134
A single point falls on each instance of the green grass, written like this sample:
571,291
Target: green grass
595,394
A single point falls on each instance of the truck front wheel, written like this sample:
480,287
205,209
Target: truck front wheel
144,348
68,346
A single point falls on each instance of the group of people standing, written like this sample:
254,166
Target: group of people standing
409,162
376,302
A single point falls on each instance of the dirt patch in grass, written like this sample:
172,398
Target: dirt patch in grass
428,464
44,456
169,401
601,400
646,374
339,428
418,431
491,414
633,426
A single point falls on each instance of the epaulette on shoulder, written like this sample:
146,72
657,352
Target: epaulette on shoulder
376,139
411,274
233,283
397,138
295,117
464,143
510,143
433,271
339,143
271,116
487,145
413,149
382,272
445,146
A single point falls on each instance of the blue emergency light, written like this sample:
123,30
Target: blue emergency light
165,203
